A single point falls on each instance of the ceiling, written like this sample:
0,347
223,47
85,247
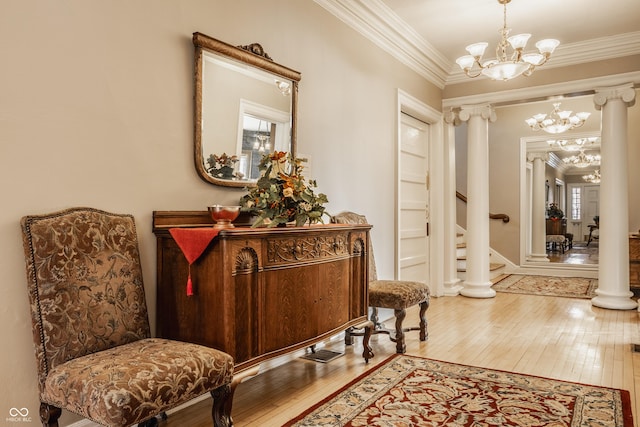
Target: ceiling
428,35
450,25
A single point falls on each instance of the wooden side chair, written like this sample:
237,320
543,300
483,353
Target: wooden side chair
91,332
393,294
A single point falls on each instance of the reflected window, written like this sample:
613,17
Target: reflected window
576,203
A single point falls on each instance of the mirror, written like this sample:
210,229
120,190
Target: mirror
571,182
245,106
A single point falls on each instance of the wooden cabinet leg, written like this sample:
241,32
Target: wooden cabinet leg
348,338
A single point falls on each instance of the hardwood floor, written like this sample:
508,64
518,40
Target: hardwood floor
561,338
579,254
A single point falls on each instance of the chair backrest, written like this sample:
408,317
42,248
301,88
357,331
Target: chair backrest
354,218
85,284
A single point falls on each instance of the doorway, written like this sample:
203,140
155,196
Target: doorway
413,196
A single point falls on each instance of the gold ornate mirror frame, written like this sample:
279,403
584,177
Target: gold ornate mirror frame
250,56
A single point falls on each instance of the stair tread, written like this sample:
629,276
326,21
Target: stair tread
499,278
492,267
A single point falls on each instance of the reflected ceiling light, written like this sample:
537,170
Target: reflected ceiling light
583,160
283,87
577,144
506,66
262,142
558,121
593,178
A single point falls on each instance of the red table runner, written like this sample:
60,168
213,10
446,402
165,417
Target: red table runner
193,242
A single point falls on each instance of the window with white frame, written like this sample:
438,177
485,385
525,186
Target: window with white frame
576,203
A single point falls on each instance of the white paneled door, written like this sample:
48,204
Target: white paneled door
413,190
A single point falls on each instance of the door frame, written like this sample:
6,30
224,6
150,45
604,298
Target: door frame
412,106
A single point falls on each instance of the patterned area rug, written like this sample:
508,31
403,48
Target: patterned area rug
572,287
413,391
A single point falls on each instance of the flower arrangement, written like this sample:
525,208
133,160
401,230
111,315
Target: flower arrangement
554,212
222,166
282,194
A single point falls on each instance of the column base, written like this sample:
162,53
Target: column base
538,258
614,301
453,288
478,290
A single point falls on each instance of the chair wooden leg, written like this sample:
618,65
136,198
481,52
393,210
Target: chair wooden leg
424,334
222,402
49,415
400,314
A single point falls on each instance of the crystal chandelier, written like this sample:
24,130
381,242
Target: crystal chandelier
593,178
582,160
577,144
506,66
558,121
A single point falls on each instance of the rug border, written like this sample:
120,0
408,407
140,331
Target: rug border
625,395
341,389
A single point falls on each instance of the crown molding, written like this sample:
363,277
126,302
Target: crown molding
539,93
380,24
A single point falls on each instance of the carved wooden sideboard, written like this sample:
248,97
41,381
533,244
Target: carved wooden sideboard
634,261
260,293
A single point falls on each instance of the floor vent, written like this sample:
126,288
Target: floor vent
635,348
323,356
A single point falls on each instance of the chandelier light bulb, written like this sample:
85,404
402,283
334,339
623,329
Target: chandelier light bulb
519,41
547,46
477,49
507,65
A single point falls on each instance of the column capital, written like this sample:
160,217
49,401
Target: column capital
624,92
485,111
537,156
450,117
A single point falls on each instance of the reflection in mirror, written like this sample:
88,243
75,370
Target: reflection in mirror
562,180
245,107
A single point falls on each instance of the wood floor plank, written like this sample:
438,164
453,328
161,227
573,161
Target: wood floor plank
561,338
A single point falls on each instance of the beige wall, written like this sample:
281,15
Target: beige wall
96,110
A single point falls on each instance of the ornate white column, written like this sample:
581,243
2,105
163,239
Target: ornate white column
538,224
614,291
478,281
452,284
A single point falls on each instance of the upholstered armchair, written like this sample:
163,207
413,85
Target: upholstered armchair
93,348
397,295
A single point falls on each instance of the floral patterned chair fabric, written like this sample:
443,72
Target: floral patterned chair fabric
394,294
91,331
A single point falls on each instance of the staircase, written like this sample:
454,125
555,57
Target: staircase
496,269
